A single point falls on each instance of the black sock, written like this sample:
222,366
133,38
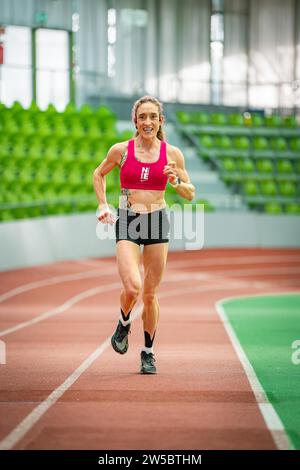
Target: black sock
148,340
123,315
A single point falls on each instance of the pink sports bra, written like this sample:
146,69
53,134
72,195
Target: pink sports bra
141,175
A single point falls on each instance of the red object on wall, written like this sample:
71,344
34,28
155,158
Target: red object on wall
1,54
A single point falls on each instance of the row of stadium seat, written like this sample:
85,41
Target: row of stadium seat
236,119
258,142
248,165
275,208
271,188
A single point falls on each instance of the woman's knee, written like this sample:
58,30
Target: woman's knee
133,289
149,297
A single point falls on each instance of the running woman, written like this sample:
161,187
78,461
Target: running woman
147,162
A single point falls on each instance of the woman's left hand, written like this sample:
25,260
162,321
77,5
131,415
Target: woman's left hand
171,171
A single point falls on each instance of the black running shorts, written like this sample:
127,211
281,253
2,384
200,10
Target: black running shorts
143,229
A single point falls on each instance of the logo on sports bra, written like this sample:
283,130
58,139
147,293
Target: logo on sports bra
145,173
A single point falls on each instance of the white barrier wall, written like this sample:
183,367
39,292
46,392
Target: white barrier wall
38,241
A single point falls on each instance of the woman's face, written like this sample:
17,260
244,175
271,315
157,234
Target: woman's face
148,120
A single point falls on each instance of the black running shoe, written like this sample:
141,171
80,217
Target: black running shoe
119,340
147,363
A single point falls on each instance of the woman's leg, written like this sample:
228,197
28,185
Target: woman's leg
128,259
154,260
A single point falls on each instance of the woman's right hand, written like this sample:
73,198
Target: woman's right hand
105,215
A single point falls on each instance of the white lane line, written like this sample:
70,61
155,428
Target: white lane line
171,264
55,280
271,418
33,417
61,308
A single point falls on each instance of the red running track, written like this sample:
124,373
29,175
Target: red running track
63,386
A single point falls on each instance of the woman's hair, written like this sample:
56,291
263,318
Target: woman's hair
149,99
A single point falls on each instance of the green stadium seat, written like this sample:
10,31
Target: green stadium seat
246,165
74,177
257,120
287,188
241,142
200,118
279,143
33,109
5,145
295,144
51,111
268,188
27,128
25,174
182,117
35,150
11,196
35,211
52,151
16,107
17,112
86,110
206,141
285,166
59,176
59,127
260,143
43,125
8,175
6,215
67,154
95,132
105,118
19,149
50,193
273,121
292,208
208,207
223,141
235,120
10,126
273,208
219,119
265,166
125,135
70,110
228,164
297,166
76,129
290,121
250,188
42,176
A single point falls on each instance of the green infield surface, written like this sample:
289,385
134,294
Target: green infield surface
268,330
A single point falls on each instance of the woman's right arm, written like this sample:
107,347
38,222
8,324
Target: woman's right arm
112,160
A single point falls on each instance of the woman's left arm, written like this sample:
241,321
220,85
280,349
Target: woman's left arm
178,176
